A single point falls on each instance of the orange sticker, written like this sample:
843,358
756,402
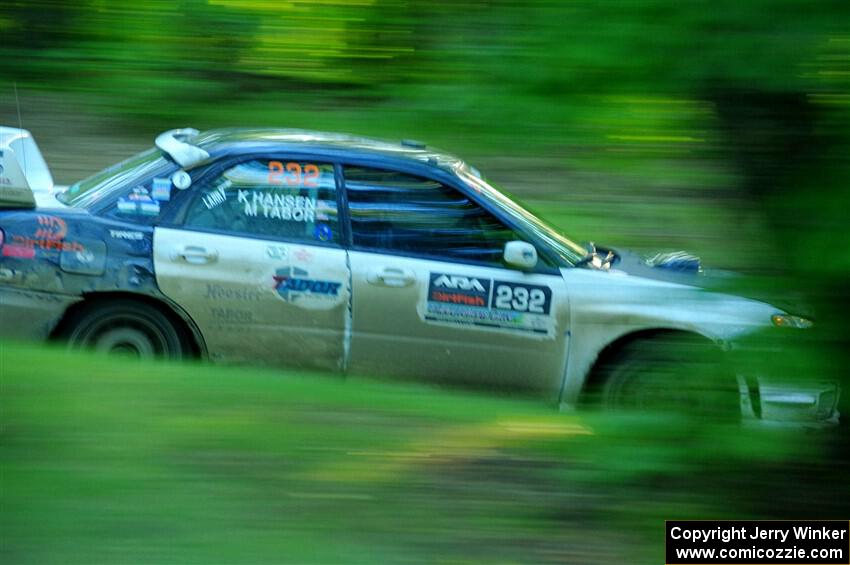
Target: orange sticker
311,175
275,171
293,174
295,169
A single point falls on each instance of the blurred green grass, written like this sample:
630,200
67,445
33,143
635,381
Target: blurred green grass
106,460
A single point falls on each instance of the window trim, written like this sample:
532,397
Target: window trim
545,266
175,217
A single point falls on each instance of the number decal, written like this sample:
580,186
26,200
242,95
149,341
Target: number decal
538,301
521,297
520,301
311,175
295,169
295,175
275,172
504,293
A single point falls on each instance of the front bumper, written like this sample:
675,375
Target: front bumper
783,379
807,404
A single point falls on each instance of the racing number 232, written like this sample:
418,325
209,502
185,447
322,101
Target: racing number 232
293,174
521,298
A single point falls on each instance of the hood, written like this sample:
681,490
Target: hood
683,268
23,171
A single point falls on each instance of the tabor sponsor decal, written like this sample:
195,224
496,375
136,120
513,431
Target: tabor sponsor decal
232,316
296,286
476,301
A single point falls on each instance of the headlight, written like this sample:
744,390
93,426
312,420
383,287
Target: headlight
789,321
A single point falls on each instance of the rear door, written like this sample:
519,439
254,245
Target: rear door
257,263
431,297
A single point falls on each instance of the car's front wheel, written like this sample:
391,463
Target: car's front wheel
125,327
668,373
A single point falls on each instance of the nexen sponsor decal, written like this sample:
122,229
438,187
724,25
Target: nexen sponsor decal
458,289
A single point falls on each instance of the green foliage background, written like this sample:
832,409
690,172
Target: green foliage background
721,126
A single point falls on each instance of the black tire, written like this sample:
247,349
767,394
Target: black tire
125,327
668,373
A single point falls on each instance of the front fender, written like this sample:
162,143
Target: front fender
607,306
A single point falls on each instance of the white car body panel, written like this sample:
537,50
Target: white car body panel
606,305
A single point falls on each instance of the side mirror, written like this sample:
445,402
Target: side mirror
520,255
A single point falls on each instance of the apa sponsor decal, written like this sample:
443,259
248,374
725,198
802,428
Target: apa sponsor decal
296,286
457,289
463,300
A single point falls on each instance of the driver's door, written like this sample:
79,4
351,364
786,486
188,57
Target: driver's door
431,297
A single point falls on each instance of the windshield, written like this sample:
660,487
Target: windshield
98,186
567,249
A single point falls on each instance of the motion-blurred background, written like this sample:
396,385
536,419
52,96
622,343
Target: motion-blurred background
719,127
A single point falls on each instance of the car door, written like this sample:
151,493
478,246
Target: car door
254,258
431,297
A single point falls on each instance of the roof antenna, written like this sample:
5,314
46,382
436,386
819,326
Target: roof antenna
20,124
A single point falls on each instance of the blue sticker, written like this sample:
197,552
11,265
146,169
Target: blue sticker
323,232
161,189
138,203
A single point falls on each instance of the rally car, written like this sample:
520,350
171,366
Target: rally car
315,250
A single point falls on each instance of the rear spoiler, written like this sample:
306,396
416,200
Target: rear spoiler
23,170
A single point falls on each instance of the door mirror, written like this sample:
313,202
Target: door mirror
520,255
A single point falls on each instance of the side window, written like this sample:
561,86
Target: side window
396,211
270,197
144,203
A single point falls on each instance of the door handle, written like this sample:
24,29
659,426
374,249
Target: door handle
391,276
196,255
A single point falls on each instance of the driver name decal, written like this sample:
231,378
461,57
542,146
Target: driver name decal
461,300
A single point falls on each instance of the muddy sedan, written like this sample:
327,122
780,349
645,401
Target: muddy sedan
303,249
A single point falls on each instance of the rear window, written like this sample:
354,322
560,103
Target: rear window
106,183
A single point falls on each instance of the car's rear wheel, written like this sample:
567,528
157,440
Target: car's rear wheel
669,373
125,327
